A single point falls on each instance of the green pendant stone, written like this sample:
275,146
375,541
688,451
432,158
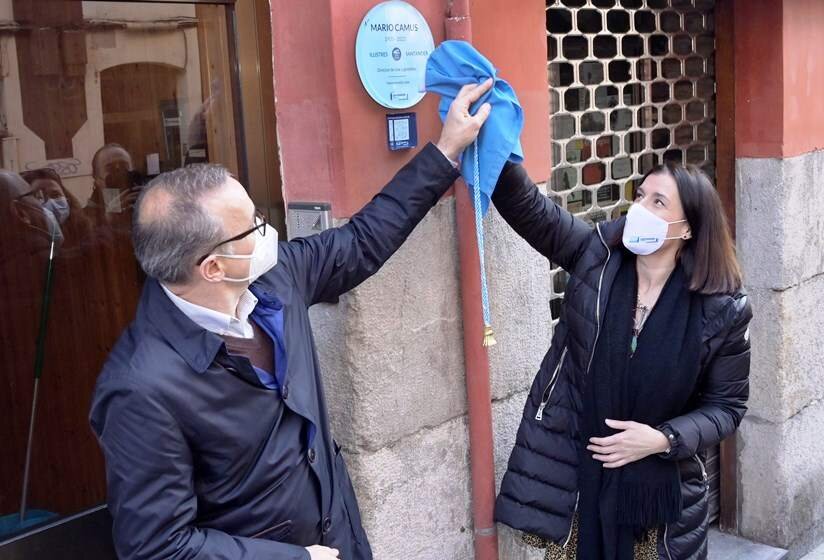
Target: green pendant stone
634,344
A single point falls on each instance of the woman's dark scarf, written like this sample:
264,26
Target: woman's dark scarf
619,506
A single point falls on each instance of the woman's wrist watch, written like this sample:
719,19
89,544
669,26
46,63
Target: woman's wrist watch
671,439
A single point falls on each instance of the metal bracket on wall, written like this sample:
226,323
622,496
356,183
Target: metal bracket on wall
307,218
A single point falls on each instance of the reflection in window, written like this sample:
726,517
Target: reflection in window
592,122
608,146
591,73
560,74
578,150
143,88
632,46
606,97
589,21
579,201
576,99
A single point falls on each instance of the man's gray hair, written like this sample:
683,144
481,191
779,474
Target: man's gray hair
168,243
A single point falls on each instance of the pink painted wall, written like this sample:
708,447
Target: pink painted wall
803,76
309,130
779,77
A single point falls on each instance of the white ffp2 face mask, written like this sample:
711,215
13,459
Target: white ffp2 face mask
263,258
644,232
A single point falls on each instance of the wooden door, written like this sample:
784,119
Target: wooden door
134,98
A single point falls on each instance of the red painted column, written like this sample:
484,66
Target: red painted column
779,75
515,41
758,84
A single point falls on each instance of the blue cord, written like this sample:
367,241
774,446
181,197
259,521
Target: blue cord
489,339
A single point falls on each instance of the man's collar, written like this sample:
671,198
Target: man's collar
195,344
215,321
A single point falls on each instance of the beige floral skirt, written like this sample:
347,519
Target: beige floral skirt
644,550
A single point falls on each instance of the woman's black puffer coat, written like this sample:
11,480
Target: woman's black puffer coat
539,490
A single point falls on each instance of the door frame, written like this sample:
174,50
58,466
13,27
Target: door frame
725,183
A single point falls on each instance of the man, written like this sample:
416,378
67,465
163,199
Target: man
210,410
114,189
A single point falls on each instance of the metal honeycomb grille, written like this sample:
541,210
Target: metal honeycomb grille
632,84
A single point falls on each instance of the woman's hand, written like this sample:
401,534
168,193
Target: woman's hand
633,443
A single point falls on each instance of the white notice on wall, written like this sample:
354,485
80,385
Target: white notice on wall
401,130
393,44
152,164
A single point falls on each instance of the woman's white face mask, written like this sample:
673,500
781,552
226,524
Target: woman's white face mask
644,232
263,258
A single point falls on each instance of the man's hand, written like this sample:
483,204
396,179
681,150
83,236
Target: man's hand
635,442
318,552
460,128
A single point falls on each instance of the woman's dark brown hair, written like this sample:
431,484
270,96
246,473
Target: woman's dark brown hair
708,256
51,175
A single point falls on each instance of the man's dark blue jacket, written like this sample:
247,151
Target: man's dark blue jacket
190,436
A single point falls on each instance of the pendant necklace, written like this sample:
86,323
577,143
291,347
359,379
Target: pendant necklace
638,324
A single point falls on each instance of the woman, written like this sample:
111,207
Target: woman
61,208
648,368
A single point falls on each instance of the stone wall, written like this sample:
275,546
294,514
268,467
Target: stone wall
392,352
780,232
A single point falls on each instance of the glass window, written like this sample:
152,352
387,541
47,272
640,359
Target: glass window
97,99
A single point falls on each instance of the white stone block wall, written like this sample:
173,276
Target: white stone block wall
780,236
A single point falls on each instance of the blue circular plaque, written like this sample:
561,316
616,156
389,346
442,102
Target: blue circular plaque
393,44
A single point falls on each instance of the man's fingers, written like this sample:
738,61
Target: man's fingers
464,91
477,90
318,552
461,101
482,114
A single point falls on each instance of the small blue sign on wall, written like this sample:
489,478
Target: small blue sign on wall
401,131
392,47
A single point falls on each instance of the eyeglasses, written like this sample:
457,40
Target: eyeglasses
33,199
260,225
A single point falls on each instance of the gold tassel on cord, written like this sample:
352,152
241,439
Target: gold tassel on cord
489,337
